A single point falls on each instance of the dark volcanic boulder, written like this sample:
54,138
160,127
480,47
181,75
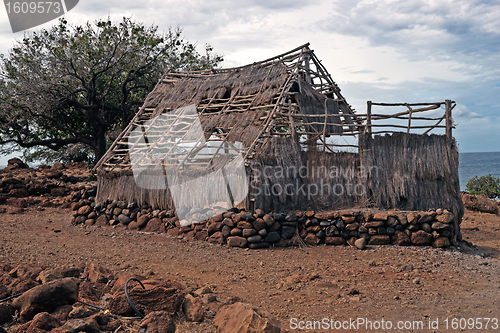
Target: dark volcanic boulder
243,317
6,313
16,163
401,238
421,238
157,321
47,297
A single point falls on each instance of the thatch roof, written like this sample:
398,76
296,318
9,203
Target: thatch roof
290,95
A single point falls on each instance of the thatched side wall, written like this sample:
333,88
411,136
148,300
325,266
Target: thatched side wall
122,186
283,177
338,179
412,172
267,184
190,193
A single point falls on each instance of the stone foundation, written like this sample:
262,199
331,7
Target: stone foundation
238,228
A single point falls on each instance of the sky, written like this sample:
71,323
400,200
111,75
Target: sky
379,50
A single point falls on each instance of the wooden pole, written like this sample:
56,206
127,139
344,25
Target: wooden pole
310,146
368,127
306,65
449,124
324,125
409,118
291,128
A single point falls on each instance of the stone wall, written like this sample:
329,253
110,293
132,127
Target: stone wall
239,228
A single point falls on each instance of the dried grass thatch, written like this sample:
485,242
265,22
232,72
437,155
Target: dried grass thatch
276,116
413,172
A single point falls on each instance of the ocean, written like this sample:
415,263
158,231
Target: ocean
477,164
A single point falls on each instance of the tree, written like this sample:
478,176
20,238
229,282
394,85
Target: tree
74,84
488,186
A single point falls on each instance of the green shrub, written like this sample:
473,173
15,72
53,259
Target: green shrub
488,186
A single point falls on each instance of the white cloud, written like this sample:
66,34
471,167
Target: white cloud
461,111
465,32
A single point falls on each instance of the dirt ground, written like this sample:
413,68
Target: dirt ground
332,285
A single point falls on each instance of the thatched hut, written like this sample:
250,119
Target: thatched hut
280,121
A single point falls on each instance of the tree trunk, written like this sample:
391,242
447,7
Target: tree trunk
101,144
126,120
